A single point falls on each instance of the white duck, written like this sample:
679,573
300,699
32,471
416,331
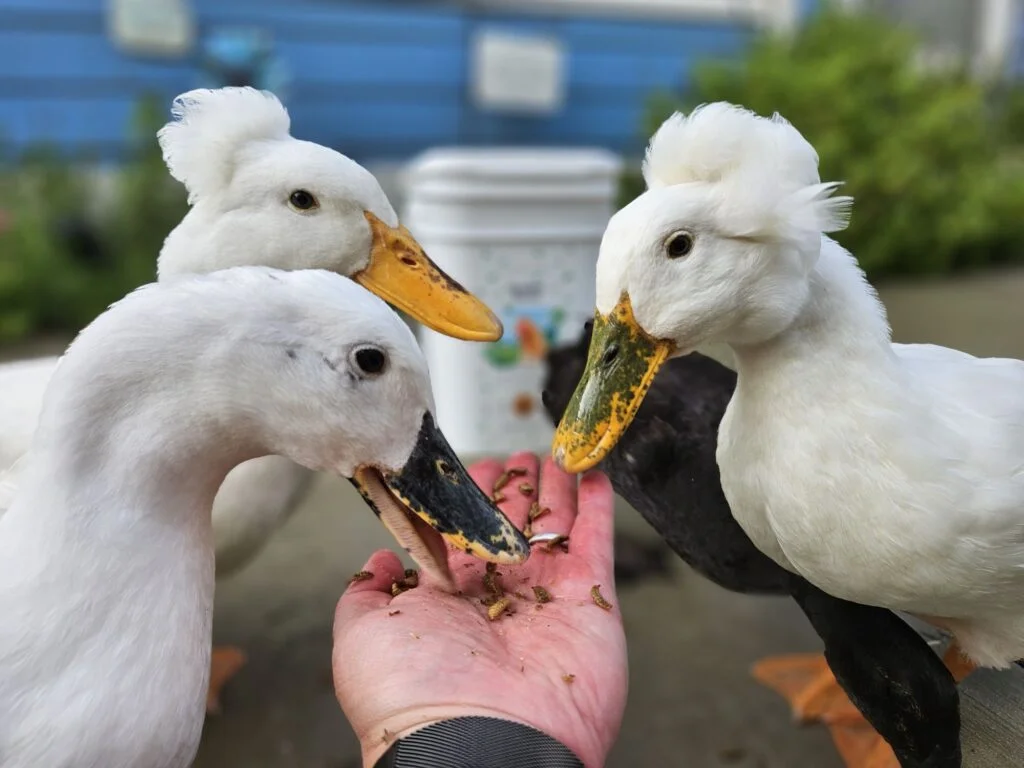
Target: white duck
886,474
260,196
107,552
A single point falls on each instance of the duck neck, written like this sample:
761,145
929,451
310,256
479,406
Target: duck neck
841,329
112,534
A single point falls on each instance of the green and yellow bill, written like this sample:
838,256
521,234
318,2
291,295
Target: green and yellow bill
621,364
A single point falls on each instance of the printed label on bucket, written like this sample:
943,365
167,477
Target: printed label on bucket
529,331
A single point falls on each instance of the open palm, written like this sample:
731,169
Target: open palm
402,662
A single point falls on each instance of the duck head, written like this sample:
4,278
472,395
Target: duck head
260,196
310,366
719,249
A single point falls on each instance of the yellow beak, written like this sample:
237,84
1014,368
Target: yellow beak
621,364
401,273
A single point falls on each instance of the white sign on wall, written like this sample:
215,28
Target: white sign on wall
153,27
517,72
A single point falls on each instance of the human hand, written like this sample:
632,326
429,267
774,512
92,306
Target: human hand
404,662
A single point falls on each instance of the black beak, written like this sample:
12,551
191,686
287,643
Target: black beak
435,487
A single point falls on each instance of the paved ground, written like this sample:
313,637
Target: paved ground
692,703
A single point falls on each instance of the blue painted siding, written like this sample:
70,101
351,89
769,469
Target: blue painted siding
373,81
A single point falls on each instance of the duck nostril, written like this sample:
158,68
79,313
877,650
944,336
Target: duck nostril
409,261
447,471
610,355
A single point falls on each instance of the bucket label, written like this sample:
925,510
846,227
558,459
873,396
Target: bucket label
529,331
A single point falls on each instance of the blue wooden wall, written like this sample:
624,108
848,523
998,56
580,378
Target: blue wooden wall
381,80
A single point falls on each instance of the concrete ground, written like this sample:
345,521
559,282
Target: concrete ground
692,702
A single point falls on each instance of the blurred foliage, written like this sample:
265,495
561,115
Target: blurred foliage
1010,114
927,156
69,245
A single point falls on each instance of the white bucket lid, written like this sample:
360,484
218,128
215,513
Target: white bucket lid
512,164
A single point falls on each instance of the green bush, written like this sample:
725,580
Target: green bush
63,259
925,155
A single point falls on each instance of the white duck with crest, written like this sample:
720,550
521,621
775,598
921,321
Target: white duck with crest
886,474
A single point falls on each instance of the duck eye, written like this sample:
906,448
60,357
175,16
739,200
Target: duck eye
679,244
370,360
302,200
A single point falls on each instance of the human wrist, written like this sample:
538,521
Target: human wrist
476,741
376,742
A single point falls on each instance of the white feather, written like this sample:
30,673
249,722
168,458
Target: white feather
210,127
765,169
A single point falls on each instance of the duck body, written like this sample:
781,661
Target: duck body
665,467
107,550
906,458
23,383
101,664
888,475
255,500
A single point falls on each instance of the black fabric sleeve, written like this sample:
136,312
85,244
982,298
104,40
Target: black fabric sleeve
478,742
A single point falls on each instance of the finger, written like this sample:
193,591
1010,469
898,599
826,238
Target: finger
515,504
485,472
367,594
593,536
557,494
521,489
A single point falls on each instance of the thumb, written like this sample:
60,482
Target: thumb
370,588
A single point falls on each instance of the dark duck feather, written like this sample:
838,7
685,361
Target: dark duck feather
665,468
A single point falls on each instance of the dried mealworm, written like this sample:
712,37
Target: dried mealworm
501,482
560,541
360,576
527,530
568,677
489,600
516,471
412,578
491,583
495,611
498,497
542,595
393,613
537,511
599,601
525,488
